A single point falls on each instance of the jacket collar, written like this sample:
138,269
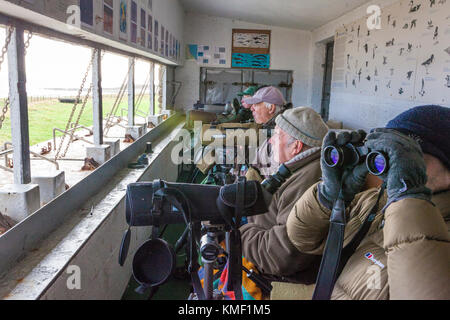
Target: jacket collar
302,159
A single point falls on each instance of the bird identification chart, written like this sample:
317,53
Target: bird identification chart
408,57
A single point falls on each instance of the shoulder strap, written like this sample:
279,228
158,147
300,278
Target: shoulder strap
332,254
335,258
235,254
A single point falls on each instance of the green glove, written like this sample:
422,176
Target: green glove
351,179
407,175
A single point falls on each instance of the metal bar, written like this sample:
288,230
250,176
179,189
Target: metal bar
97,98
152,89
69,132
37,155
6,169
131,92
80,126
6,152
19,107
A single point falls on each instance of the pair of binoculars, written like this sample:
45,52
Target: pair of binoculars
352,155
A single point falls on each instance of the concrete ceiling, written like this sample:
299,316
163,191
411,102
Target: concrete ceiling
297,14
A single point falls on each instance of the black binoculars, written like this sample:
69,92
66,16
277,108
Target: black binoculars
351,155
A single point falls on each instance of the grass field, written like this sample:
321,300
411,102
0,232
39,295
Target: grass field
46,115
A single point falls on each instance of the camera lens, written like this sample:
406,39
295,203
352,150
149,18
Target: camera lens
333,157
377,163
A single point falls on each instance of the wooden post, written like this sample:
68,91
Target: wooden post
19,107
97,98
131,93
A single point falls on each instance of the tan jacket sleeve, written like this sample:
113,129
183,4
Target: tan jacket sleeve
308,223
273,253
253,175
268,248
265,239
417,244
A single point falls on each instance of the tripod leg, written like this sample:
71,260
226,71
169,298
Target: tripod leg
209,281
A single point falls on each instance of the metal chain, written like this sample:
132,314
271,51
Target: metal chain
5,47
2,59
83,106
77,99
4,111
118,101
77,121
27,42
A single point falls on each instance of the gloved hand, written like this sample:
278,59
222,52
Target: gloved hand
406,176
351,179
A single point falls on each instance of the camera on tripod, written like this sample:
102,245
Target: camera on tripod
351,155
218,209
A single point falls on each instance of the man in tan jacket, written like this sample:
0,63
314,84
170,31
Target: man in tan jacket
406,252
298,137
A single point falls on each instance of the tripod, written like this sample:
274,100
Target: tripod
210,250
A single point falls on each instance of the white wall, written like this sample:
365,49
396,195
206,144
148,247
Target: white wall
361,109
290,50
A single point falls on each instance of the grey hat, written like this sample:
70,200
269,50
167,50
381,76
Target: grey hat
303,124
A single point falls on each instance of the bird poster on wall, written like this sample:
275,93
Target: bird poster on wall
108,16
251,49
408,58
123,27
87,12
204,54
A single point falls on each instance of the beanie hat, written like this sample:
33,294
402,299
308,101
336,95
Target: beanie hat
303,124
430,126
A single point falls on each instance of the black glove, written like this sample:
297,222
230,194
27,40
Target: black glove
351,179
407,175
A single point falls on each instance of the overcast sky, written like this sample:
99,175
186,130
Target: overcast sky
55,64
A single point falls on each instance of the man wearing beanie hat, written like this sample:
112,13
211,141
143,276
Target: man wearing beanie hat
297,143
430,126
406,243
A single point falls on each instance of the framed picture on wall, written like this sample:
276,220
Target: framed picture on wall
167,44
156,36
133,25
163,45
150,33
143,35
87,13
251,49
108,16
